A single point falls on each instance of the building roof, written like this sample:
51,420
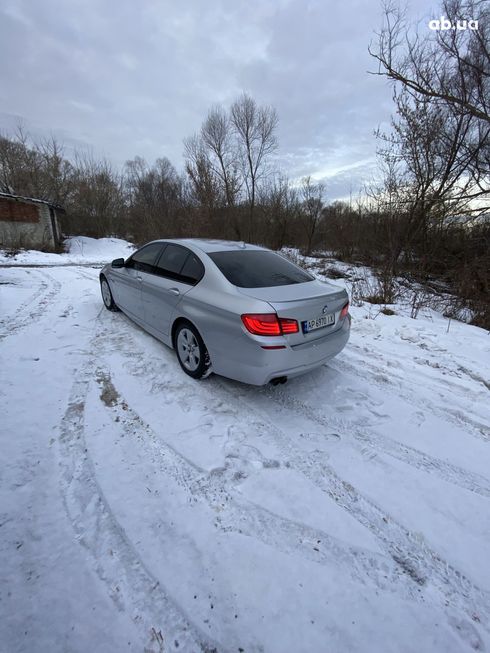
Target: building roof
21,198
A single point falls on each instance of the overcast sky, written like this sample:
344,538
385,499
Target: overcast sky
130,78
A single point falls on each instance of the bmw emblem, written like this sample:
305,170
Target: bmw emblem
325,309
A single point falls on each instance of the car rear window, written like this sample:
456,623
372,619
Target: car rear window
258,269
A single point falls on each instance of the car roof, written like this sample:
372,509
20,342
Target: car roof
213,245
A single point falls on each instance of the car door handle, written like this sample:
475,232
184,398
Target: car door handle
174,291
139,278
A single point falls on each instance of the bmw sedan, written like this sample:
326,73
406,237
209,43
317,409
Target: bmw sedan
238,310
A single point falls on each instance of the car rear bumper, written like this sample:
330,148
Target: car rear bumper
257,366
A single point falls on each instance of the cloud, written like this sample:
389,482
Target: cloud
130,78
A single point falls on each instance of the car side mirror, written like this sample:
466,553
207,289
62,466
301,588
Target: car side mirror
117,263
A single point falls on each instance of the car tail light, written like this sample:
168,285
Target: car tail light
288,325
344,311
262,324
268,324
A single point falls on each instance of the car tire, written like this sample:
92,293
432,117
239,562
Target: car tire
191,351
107,297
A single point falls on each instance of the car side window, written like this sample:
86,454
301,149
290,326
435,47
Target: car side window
193,270
144,259
172,260
179,263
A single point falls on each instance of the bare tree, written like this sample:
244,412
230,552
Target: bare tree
216,137
279,208
311,209
254,128
206,193
450,69
57,171
213,169
96,206
36,169
226,163
436,160
154,198
448,65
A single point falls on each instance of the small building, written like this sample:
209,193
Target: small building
30,223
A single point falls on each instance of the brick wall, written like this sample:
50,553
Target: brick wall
15,211
20,228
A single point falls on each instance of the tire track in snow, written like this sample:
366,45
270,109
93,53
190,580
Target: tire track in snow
414,556
130,584
422,361
378,376
446,471
247,518
415,458
33,308
474,376
84,274
424,566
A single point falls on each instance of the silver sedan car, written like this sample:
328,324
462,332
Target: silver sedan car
235,309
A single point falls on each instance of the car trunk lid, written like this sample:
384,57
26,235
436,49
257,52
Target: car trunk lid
304,302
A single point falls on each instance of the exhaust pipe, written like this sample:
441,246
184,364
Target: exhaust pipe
279,379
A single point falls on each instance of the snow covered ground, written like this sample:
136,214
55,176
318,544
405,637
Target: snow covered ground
140,510
80,250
